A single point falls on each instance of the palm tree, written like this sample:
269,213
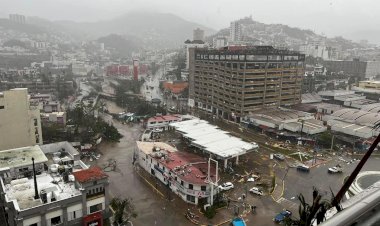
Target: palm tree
123,211
308,213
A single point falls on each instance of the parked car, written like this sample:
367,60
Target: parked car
256,190
226,186
282,215
279,157
303,168
335,169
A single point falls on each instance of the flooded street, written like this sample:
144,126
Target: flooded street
151,208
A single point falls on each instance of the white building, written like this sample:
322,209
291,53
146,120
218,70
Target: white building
235,31
184,173
373,69
162,122
192,44
219,42
20,123
67,192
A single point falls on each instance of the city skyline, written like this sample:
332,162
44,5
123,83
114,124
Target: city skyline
350,19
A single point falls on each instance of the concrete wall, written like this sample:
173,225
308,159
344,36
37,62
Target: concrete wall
19,125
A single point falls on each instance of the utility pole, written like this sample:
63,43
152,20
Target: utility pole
209,180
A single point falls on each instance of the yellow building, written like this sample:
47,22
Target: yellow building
20,123
370,84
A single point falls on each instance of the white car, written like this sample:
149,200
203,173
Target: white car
335,169
256,191
226,186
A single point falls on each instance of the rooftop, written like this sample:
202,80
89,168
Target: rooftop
258,50
147,147
189,167
91,174
19,157
21,191
164,118
211,139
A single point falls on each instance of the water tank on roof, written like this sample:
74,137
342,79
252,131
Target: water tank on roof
71,178
54,168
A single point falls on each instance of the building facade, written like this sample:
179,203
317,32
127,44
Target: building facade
233,83
198,34
235,31
17,18
354,67
219,42
20,123
183,173
67,192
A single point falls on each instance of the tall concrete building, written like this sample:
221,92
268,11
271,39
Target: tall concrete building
232,83
235,31
20,123
198,34
17,18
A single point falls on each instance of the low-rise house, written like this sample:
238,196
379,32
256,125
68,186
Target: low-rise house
184,173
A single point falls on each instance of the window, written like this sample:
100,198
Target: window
35,122
35,224
203,188
55,220
190,198
74,215
96,208
182,182
1,107
191,186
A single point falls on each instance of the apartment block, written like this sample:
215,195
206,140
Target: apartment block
20,123
232,83
49,185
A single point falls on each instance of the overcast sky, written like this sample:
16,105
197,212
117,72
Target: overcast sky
331,17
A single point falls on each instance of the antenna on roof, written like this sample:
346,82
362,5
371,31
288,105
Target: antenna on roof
36,196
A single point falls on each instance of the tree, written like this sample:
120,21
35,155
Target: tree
325,139
124,211
310,212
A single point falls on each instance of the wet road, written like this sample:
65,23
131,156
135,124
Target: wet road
297,182
125,183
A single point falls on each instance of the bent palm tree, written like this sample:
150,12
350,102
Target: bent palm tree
123,211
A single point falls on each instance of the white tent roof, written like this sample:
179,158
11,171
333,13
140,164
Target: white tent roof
212,139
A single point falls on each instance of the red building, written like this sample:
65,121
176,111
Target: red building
136,70
124,70
112,70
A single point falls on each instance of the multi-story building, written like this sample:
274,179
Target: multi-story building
219,42
182,172
354,67
61,190
17,18
198,34
40,86
192,44
233,83
235,31
20,123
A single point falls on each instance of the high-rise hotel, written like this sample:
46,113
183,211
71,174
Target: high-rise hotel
236,80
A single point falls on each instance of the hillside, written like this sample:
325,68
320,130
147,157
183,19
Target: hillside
122,46
283,35
156,29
